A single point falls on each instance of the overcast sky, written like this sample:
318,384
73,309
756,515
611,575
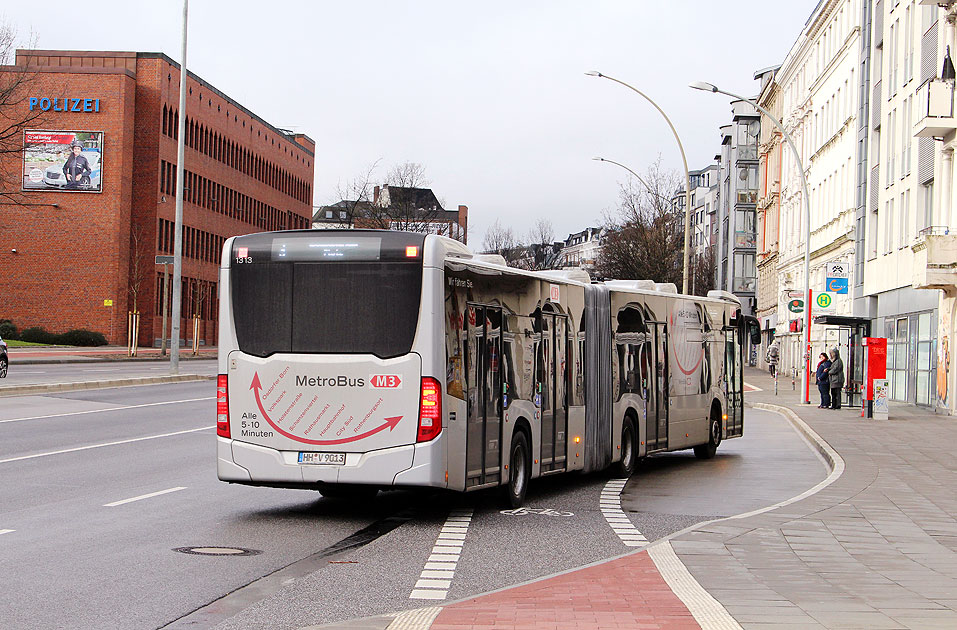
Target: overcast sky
489,96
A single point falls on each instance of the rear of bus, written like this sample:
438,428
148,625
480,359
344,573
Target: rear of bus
330,370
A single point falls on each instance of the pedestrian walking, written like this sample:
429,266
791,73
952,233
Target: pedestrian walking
823,381
836,378
774,353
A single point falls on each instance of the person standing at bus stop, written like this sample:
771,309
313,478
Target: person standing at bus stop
824,381
836,378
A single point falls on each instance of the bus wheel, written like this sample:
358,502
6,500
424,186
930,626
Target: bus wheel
629,454
707,451
353,492
519,470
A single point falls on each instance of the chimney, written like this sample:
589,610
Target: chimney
375,195
464,223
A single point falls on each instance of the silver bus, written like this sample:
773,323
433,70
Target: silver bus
356,360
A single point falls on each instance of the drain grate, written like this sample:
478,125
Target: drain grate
218,551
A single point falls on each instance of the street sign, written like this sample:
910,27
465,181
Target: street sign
824,300
836,276
837,285
107,302
837,269
164,260
792,294
796,306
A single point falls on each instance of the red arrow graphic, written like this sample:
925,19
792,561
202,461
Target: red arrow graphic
256,385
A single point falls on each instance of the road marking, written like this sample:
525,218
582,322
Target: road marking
144,496
80,413
85,448
436,577
706,610
6,531
748,387
610,503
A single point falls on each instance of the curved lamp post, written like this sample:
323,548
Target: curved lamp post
684,160
805,377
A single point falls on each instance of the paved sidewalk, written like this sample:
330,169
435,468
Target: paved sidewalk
877,548
25,355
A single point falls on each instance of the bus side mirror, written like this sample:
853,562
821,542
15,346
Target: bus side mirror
754,329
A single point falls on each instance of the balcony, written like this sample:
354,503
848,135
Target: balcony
935,106
935,259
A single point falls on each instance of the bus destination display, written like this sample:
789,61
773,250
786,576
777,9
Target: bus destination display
326,248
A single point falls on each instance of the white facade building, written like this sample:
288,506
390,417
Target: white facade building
818,92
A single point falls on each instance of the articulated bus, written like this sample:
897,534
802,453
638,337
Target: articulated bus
357,360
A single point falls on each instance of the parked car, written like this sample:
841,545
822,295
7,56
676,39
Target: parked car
3,358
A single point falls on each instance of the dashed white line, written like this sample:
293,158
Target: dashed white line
144,496
6,531
436,576
610,503
85,448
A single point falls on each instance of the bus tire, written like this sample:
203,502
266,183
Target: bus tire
707,451
355,492
629,451
520,470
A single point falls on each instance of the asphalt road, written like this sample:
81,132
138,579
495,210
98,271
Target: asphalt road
85,556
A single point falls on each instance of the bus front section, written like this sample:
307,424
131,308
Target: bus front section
323,379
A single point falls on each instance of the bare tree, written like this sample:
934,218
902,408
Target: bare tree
355,196
140,263
404,202
542,251
15,116
644,239
501,240
498,239
702,272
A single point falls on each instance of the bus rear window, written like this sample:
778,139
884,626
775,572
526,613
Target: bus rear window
326,307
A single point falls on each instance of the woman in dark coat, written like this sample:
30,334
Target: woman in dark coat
836,378
823,381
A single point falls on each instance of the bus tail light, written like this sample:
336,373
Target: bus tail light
222,407
430,410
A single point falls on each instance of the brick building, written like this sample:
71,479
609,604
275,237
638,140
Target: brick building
80,258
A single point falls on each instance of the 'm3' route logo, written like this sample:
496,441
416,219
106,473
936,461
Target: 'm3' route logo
385,381
349,426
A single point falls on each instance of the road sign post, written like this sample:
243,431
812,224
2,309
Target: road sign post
807,350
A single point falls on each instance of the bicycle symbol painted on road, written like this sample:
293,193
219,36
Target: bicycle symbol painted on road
541,511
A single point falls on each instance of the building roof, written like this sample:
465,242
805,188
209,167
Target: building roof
415,197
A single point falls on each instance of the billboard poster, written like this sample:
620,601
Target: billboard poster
69,161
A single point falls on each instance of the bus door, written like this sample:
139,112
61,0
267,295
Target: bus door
734,379
483,374
656,388
552,388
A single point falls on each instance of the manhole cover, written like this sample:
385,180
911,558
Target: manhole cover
218,551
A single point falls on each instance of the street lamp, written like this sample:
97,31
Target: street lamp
178,223
805,377
637,176
684,273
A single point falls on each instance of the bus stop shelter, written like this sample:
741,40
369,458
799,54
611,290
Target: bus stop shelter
847,334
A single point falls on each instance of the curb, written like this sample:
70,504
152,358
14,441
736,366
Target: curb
820,444
50,388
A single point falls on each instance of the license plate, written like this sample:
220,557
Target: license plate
335,459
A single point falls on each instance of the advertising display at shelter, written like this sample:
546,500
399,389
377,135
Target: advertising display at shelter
62,160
